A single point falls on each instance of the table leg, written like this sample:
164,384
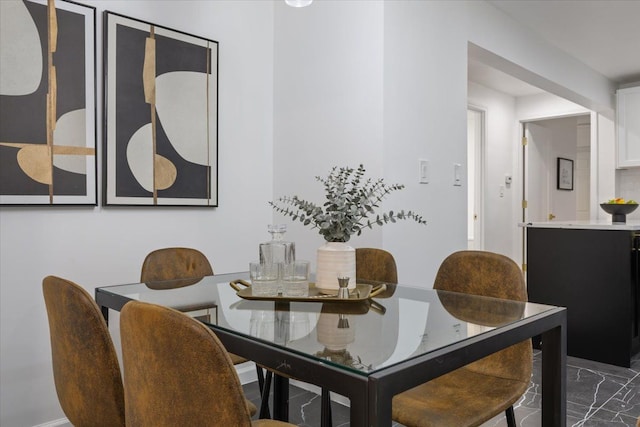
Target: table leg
374,408
325,408
554,376
280,398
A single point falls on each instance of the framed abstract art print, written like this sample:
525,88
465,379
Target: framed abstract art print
47,103
161,111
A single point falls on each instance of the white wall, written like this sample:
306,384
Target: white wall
604,172
367,91
425,116
327,104
97,246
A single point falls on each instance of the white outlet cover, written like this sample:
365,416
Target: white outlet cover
423,171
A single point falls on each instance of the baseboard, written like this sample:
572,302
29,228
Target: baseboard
56,423
246,372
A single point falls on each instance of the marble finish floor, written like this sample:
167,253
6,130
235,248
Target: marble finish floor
597,395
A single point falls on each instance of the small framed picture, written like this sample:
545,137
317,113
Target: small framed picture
565,174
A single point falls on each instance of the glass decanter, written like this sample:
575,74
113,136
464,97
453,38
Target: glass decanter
277,250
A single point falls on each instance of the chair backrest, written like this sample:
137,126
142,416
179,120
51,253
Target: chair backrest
481,273
176,371
85,365
175,263
493,275
376,264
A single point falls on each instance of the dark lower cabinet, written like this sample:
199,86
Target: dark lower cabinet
595,274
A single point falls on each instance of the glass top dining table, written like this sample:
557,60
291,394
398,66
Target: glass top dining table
366,349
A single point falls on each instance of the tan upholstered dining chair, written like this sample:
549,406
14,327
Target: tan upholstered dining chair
376,264
182,263
177,372
174,263
477,392
177,263
85,365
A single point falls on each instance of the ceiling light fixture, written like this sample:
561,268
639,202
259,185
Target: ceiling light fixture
298,3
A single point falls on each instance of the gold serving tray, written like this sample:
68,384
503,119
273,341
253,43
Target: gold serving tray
361,293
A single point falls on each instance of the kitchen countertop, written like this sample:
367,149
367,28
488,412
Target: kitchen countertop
585,225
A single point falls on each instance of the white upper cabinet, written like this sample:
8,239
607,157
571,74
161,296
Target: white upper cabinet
628,127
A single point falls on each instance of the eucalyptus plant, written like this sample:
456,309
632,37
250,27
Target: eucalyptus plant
349,208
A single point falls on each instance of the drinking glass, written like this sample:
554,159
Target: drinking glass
264,279
262,324
295,279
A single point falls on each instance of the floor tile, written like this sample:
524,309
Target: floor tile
604,418
626,401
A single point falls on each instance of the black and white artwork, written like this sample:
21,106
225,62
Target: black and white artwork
47,103
161,90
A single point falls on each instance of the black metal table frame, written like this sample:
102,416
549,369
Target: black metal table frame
371,395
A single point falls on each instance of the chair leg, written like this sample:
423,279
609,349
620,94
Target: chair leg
260,374
511,417
265,388
325,412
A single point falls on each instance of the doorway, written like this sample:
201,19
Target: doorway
547,141
475,178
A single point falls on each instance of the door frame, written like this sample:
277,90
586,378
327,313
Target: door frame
523,165
479,162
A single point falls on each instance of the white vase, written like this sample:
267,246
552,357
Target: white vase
334,259
330,335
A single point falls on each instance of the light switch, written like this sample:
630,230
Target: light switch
457,180
423,171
